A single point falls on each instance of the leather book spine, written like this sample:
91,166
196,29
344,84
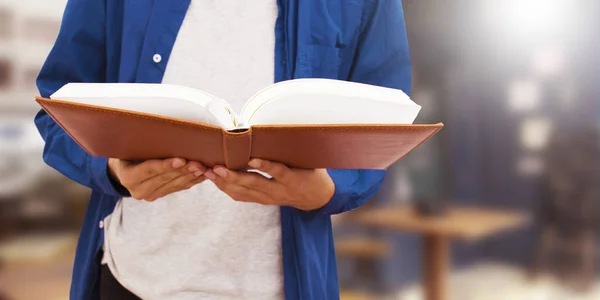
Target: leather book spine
237,147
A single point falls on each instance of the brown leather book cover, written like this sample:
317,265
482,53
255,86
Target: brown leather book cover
116,133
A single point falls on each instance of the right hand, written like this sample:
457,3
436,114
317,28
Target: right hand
153,179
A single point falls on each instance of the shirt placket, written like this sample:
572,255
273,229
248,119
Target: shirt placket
164,24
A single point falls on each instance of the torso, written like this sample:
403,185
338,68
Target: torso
199,243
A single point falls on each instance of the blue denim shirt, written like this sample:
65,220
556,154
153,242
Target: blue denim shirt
116,40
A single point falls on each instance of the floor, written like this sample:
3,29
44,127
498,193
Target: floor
40,268
37,267
492,281
49,281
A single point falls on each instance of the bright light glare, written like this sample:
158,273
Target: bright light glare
523,95
528,16
548,61
535,133
533,14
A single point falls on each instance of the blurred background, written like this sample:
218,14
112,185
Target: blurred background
502,204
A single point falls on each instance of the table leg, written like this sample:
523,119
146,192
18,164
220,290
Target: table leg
435,266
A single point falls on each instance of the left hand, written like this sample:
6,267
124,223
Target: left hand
300,188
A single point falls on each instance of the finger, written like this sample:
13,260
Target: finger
194,182
147,188
175,185
135,174
276,170
249,180
241,193
191,167
161,167
196,167
192,173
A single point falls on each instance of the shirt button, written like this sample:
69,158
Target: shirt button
101,224
157,58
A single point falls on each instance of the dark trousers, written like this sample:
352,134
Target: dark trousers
111,289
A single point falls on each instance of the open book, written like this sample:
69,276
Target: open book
300,101
310,123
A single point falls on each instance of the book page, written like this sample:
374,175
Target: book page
325,101
158,99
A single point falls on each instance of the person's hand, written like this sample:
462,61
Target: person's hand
303,189
153,179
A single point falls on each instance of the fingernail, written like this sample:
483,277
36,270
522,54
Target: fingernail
199,173
193,169
178,163
210,175
221,172
255,163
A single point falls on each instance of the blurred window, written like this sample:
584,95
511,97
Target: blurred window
28,78
6,19
40,29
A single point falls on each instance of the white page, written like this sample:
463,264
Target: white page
159,99
325,101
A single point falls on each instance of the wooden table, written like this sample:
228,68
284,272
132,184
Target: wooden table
465,223
360,247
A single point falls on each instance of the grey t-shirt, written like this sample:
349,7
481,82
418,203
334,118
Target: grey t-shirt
199,243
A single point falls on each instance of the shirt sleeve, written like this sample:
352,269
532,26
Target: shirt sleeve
382,59
78,55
